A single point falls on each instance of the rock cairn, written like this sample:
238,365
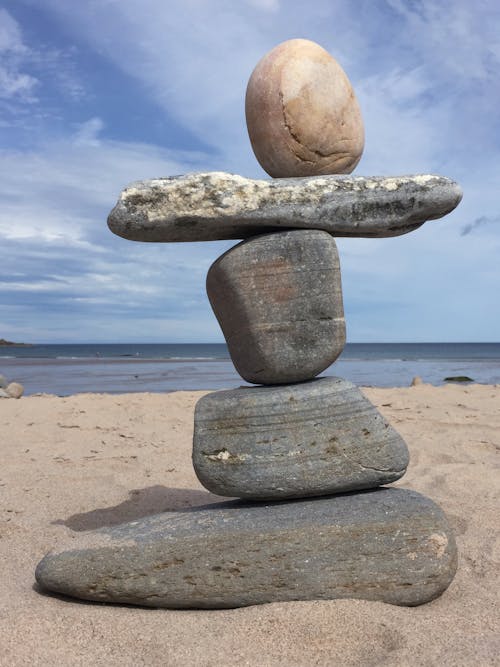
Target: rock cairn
307,455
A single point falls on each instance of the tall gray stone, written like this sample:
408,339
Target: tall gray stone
390,545
217,205
307,439
278,300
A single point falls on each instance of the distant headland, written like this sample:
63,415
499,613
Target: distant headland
4,342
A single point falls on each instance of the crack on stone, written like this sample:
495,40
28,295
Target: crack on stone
296,138
332,157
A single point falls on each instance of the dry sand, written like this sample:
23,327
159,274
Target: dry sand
77,463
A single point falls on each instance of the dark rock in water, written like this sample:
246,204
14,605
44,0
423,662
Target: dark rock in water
458,378
307,439
391,545
217,205
4,342
278,300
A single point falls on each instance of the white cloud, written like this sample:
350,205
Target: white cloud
88,132
31,76
460,37
64,270
415,66
266,5
194,59
425,73
10,34
14,83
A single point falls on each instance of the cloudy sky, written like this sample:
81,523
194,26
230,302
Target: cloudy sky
95,94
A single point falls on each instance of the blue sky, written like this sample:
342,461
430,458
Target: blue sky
96,94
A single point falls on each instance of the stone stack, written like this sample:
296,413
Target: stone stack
278,300
306,455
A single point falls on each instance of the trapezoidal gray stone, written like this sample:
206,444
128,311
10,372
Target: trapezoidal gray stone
291,441
391,545
278,300
217,205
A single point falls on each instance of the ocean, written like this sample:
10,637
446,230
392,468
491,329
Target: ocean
123,368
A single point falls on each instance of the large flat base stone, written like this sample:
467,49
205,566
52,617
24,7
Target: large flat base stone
391,545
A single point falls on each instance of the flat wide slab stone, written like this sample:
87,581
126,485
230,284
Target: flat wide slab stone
391,545
307,439
278,300
217,205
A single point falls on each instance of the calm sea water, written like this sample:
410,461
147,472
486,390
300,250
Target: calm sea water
122,368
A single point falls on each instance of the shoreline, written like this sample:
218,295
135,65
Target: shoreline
63,377
367,389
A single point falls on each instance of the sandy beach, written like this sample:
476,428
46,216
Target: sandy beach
90,460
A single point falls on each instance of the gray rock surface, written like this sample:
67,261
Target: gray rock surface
3,382
4,394
278,300
217,205
306,439
391,545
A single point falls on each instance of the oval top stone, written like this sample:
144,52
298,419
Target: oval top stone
303,118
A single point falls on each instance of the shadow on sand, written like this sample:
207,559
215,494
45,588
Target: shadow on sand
141,503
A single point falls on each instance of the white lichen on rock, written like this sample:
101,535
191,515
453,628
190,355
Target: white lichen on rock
217,205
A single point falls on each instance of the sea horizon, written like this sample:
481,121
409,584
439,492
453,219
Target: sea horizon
70,368
40,350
